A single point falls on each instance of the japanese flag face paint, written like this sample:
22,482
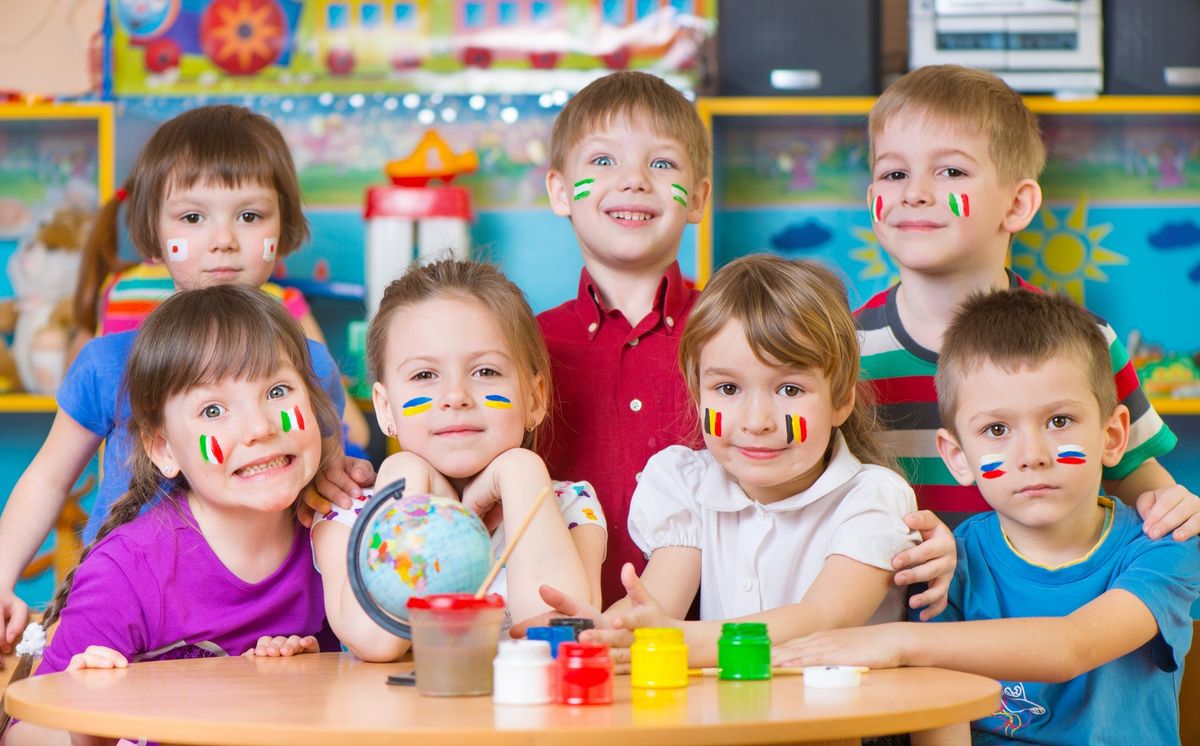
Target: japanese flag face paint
960,205
416,406
291,419
989,465
795,427
679,194
712,422
177,250
876,209
1071,453
210,450
583,188
269,247
496,401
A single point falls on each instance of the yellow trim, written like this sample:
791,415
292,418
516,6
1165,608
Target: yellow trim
101,113
24,403
1107,504
1167,405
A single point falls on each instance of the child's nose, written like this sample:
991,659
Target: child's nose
917,191
1034,453
224,238
455,395
259,423
758,416
634,178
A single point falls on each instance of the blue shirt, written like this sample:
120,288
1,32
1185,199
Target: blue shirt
1131,699
89,395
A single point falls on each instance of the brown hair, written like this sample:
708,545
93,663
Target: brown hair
794,313
633,95
973,100
223,145
484,284
1015,329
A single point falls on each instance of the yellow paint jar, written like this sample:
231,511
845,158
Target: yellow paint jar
658,658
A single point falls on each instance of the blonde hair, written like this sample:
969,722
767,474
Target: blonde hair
222,145
973,100
794,313
1017,328
634,96
481,283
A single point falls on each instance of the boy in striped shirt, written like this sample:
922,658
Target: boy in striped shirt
955,157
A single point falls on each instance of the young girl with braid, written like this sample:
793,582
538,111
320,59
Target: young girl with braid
204,556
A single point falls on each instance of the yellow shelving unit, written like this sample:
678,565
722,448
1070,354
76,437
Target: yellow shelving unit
27,403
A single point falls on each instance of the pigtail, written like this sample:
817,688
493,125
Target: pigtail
99,260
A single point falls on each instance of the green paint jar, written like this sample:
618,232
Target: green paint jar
744,652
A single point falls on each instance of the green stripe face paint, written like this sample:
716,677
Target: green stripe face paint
679,194
292,420
210,451
583,188
960,205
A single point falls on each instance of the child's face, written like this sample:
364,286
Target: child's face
214,235
1034,441
629,193
775,421
937,203
451,388
250,444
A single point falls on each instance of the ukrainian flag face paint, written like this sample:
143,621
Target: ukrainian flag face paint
496,401
415,406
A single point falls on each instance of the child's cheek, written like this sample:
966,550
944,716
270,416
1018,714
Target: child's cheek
210,450
711,422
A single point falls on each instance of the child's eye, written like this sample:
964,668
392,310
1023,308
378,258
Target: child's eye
423,375
661,163
790,390
278,391
212,411
487,373
893,176
191,218
727,389
250,217
954,173
996,430
1059,421
603,160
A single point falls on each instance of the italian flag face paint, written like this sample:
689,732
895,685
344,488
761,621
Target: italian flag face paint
712,422
210,451
291,419
269,247
960,205
989,466
796,427
1071,453
583,188
877,209
177,250
679,194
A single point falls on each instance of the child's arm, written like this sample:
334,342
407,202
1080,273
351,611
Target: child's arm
931,562
32,507
1166,507
359,431
22,733
591,542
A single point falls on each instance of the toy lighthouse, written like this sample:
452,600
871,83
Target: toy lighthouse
412,220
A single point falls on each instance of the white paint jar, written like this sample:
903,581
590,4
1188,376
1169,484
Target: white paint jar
523,673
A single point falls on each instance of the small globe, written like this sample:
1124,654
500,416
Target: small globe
414,546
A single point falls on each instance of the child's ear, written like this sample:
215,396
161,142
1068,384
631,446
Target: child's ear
556,189
1116,436
383,412
698,199
537,400
955,458
1026,201
842,413
161,455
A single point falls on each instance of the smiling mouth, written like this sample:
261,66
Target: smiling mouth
759,454
458,431
261,467
634,216
918,225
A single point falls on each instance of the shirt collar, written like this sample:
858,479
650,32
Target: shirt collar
670,302
842,467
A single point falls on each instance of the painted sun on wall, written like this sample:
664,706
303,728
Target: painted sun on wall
1059,253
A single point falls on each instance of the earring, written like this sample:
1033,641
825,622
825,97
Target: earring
391,431
170,471
529,427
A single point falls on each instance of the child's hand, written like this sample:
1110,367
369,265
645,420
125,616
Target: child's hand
932,561
14,614
97,656
561,605
338,484
280,646
1171,510
874,646
483,495
645,612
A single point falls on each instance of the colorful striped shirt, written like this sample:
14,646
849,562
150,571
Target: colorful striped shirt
901,374
130,296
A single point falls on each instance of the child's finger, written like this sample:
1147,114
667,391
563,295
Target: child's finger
361,471
337,487
633,586
309,644
18,617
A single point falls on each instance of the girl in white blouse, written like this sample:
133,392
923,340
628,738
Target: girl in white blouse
790,516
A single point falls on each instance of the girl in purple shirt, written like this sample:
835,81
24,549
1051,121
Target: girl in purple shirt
204,556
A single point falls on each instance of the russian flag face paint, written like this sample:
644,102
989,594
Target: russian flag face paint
291,420
1071,453
269,247
712,422
583,188
960,205
177,250
416,406
210,450
679,194
796,427
495,401
877,209
989,466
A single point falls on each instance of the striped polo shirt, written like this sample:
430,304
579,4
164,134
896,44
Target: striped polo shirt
901,374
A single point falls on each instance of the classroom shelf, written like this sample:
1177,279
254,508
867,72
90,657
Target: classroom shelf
1169,406
26,403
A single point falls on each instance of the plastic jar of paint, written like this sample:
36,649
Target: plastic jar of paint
554,635
585,674
744,652
579,624
658,658
454,638
523,673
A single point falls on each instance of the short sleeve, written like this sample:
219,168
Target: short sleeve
1165,576
1149,436
327,373
870,520
80,394
578,504
338,515
295,304
105,607
665,508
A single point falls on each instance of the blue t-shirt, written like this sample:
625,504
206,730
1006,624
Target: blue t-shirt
1131,699
89,394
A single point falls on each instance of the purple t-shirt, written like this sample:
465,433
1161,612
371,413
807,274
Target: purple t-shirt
154,590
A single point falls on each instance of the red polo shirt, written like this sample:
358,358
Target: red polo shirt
619,398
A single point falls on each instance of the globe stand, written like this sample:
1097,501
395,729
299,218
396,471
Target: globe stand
391,493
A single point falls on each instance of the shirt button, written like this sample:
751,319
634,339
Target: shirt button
633,342
670,322
636,405
637,477
747,585
592,327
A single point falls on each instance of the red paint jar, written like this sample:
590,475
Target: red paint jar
585,674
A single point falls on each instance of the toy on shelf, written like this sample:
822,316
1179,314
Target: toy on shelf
411,219
1166,374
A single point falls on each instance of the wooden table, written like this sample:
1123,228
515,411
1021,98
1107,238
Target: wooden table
332,698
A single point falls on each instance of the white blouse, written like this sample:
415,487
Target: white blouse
757,557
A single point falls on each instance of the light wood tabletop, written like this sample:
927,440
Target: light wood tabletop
333,698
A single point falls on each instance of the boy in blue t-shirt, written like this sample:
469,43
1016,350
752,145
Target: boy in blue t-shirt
1058,593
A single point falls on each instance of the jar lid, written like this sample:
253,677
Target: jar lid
672,635
523,650
758,629
579,624
456,602
582,650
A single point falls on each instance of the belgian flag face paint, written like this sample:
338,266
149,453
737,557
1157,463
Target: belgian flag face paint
795,427
712,422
